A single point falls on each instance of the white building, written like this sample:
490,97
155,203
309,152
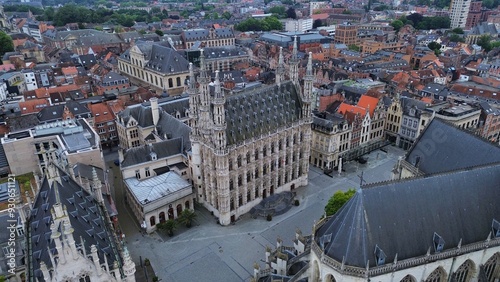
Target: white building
300,25
459,9
30,79
3,90
156,199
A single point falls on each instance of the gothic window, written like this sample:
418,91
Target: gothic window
248,196
280,161
240,180
230,164
248,157
256,193
249,177
491,268
287,143
84,278
272,165
464,272
280,147
272,148
279,180
256,172
256,154
152,221
438,275
264,170
301,137
232,204
231,185
239,161
408,278
178,81
170,83
264,151
294,139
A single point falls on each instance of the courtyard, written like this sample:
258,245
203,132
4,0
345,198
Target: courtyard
210,252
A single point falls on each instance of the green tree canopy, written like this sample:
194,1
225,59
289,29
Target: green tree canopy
159,32
290,13
278,11
354,47
455,38
252,24
397,25
338,200
6,44
458,30
485,42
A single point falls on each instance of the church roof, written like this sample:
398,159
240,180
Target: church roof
401,217
437,150
85,217
261,111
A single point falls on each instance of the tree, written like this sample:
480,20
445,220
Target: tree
187,217
458,30
485,42
290,13
278,11
416,18
159,32
455,38
6,44
168,226
436,47
226,15
354,47
337,201
397,25
317,23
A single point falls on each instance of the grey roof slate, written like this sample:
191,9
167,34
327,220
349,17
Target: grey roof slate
401,217
143,154
84,216
437,150
85,37
223,52
3,158
169,127
160,58
202,34
55,112
261,111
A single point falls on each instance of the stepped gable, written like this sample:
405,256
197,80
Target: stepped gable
86,219
401,217
436,150
261,111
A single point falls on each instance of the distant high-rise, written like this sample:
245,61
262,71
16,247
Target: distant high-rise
474,15
459,10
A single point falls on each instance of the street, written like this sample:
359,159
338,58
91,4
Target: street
210,252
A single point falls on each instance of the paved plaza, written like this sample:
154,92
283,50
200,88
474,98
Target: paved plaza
210,252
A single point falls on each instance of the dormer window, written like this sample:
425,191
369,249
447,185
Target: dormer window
153,155
438,242
379,256
495,226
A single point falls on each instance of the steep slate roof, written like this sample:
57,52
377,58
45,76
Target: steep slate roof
169,127
143,154
401,217
438,150
260,111
142,113
85,218
160,58
56,112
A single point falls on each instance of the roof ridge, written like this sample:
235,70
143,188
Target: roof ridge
379,183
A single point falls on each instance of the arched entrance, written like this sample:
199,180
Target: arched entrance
492,267
170,213
179,210
329,278
152,221
186,205
162,217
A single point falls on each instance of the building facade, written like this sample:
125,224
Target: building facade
252,144
155,66
459,9
331,136
214,37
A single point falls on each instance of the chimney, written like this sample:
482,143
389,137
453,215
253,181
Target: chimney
155,111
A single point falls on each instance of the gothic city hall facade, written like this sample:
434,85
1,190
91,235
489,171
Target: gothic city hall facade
249,144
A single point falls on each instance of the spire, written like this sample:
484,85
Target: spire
294,51
192,83
309,65
203,68
128,266
218,90
97,187
95,259
280,71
